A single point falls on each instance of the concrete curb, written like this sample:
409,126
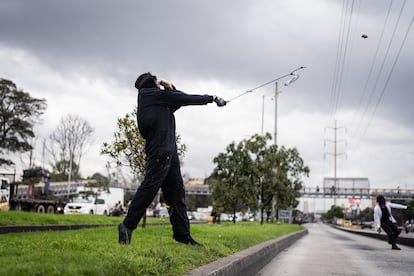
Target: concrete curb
249,261
402,239
60,227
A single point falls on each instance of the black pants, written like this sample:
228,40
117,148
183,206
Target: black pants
161,172
392,231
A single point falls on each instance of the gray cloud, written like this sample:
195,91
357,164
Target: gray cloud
92,51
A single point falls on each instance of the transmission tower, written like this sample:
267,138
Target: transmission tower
335,153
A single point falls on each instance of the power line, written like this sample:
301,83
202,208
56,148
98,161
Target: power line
269,82
373,62
383,62
340,87
337,61
390,74
341,57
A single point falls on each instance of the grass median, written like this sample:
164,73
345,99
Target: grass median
18,218
152,251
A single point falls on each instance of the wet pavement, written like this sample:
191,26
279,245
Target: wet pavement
329,251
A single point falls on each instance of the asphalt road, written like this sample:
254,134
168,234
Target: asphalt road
329,251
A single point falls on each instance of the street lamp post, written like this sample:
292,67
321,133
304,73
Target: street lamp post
263,104
291,80
288,82
276,94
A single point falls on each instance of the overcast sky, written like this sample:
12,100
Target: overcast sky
83,57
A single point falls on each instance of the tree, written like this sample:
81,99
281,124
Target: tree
61,173
263,176
367,214
231,180
290,169
101,181
256,173
334,212
406,214
68,143
128,148
278,173
18,114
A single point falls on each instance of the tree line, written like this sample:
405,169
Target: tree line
65,145
250,175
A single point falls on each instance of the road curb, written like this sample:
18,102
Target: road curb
249,261
59,227
383,236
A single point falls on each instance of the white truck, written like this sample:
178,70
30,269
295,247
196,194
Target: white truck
95,201
91,205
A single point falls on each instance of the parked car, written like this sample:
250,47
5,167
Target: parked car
162,213
367,225
87,205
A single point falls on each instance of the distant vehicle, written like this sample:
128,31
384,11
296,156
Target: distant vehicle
4,203
87,205
111,195
367,224
224,217
26,196
163,213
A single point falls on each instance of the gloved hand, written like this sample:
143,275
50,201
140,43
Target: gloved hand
219,101
166,85
379,230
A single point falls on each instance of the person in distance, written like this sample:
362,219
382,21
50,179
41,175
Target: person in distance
384,219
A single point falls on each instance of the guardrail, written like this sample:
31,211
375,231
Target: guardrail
397,194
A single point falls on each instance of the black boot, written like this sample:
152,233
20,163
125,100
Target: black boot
187,240
395,247
124,234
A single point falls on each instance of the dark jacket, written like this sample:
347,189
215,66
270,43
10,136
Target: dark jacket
156,120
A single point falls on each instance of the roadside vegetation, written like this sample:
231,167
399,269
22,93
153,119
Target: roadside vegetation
19,218
152,252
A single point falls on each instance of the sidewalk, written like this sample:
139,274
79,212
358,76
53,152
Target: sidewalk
249,261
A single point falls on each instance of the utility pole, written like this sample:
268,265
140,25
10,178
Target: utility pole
335,154
263,104
276,94
275,142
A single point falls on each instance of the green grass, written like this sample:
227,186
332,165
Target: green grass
152,251
8,218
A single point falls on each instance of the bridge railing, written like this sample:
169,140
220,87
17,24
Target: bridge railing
357,192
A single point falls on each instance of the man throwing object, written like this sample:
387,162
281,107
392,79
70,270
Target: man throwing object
156,123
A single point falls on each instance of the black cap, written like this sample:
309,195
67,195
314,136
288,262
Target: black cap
146,80
380,198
